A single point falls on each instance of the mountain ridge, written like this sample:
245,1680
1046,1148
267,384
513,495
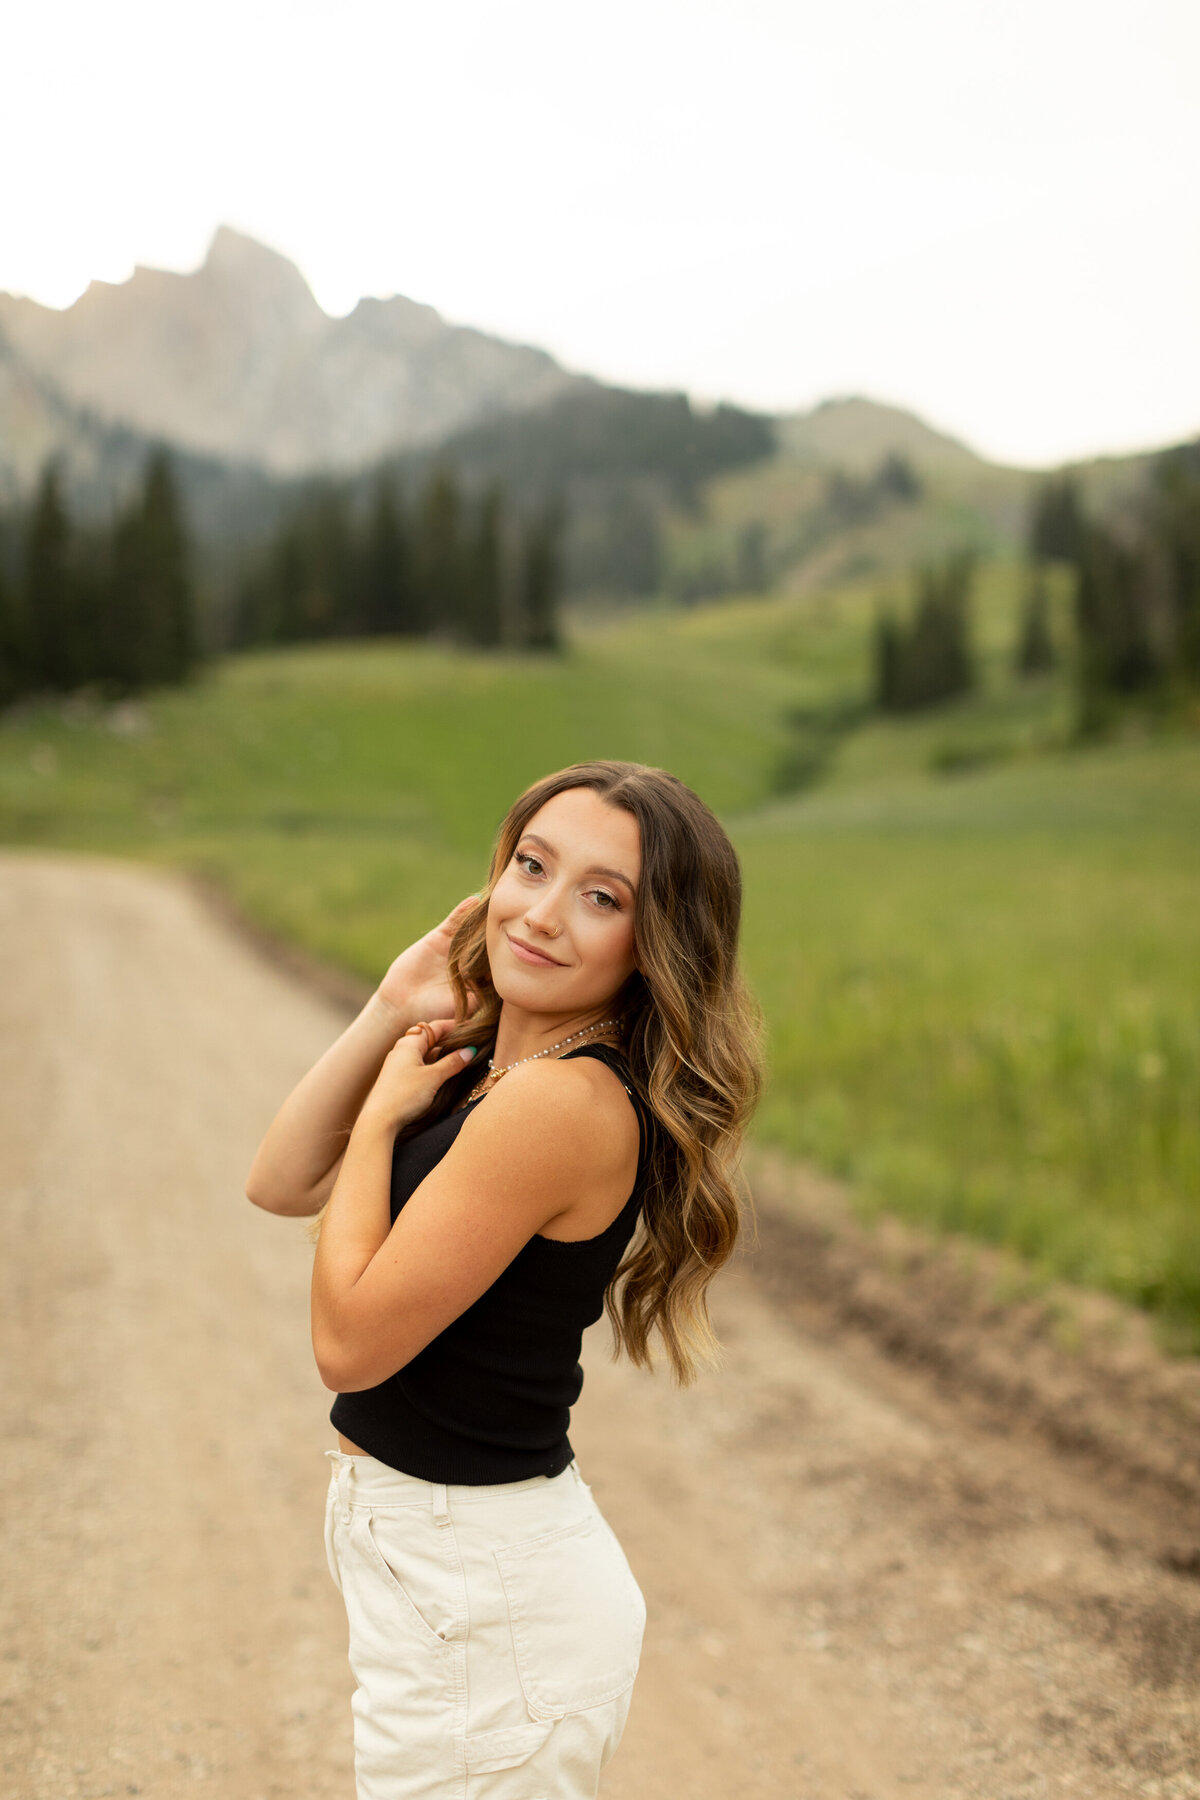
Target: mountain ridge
236,359
237,369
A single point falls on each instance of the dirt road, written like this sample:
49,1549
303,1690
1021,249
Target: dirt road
857,1587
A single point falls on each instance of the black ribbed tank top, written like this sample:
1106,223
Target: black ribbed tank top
490,1398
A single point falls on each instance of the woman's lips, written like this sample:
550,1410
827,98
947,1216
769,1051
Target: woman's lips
527,954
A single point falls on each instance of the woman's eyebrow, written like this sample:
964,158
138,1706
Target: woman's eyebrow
531,837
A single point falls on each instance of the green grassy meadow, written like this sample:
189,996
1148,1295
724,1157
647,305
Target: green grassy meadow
977,950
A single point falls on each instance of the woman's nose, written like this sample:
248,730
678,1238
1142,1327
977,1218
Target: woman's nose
542,916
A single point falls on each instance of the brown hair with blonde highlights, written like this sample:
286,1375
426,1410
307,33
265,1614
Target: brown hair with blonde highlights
690,1032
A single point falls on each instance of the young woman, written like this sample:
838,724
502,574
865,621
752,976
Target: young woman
537,1115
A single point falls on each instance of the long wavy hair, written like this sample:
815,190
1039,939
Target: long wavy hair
690,1033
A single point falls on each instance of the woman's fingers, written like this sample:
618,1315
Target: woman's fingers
425,1037
412,1073
435,1031
427,1040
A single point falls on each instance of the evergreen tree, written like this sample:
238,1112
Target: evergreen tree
1035,650
14,632
51,608
1117,654
388,600
286,586
123,660
269,599
90,598
541,580
896,479
1056,523
328,602
13,647
169,601
484,585
439,555
938,654
1175,523
887,652
314,578
929,660
148,631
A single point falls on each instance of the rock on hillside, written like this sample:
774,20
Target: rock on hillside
237,360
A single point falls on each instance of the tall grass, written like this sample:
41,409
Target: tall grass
984,1008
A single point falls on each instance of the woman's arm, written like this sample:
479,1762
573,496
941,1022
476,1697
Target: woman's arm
298,1160
551,1136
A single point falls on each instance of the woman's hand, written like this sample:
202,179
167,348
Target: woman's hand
299,1158
413,1071
417,985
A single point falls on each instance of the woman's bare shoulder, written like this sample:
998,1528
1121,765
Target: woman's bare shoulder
567,1105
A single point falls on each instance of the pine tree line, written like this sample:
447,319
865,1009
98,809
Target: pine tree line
925,659
110,608
1137,585
465,570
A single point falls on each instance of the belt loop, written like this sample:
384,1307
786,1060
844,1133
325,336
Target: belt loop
345,1470
440,1501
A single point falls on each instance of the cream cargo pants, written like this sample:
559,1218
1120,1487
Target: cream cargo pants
494,1633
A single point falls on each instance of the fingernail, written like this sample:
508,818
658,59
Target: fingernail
469,1053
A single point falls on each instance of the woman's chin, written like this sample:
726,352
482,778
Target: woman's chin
528,989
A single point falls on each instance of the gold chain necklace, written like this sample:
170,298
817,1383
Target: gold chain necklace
493,1075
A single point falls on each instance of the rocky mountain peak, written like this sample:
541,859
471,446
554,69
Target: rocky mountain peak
238,360
237,262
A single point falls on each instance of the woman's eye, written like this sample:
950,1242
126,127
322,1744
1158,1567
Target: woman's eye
530,864
606,902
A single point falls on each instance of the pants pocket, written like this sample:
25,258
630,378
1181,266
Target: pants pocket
577,1617
417,1579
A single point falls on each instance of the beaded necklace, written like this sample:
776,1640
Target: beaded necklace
488,1081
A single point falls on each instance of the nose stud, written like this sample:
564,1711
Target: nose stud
557,932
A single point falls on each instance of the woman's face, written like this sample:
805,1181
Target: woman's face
560,917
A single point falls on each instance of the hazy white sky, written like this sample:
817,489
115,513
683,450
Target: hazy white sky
987,210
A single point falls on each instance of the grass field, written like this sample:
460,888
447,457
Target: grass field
985,1010
977,951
